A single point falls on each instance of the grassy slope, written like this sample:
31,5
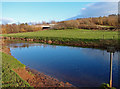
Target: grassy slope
69,34
9,77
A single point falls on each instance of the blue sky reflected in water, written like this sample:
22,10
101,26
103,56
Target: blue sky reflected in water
79,66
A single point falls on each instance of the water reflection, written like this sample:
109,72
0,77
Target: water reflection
79,66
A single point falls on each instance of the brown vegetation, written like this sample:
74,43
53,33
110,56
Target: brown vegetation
99,23
14,28
3,47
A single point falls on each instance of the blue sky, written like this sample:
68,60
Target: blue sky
22,12
41,11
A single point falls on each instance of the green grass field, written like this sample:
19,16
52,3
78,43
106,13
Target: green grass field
9,77
73,37
69,34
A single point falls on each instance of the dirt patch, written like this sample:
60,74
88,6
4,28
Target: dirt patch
37,79
3,47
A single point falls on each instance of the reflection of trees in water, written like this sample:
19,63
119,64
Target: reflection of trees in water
23,45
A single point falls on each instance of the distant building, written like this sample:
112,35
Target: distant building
47,26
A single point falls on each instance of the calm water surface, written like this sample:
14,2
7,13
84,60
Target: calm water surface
84,67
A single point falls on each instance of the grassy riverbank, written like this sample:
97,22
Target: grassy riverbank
9,77
72,37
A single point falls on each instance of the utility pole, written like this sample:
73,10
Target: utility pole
111,58
111,50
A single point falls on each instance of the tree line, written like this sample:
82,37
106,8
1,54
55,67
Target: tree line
14,28
101,23
97,23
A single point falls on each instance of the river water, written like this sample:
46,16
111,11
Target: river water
83,67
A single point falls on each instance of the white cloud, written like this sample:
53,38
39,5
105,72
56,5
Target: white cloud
83,8
7,20
100,9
